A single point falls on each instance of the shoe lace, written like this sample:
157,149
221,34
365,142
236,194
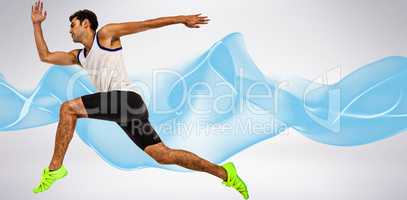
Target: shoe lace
240,186
46,180
236,182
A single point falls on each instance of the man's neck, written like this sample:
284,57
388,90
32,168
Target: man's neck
88,41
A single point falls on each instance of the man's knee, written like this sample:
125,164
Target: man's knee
73,107
65,108
160,153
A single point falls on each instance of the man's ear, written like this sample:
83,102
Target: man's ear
85,23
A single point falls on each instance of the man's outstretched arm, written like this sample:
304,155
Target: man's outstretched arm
38,15
117,30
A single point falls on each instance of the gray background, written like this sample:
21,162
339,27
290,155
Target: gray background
304,38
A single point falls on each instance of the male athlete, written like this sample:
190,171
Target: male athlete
102,58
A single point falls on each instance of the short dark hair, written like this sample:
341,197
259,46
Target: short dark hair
86,14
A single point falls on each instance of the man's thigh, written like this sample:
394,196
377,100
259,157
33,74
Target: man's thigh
110,105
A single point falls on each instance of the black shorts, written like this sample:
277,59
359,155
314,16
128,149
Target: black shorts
127,109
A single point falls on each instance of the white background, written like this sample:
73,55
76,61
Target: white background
296,37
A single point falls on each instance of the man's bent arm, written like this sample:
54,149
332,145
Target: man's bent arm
59,57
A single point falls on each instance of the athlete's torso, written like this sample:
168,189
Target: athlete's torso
105,67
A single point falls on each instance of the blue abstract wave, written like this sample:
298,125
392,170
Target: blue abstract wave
221,103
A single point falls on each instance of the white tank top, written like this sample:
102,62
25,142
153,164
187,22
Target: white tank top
105,67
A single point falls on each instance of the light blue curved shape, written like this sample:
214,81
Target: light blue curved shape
235,104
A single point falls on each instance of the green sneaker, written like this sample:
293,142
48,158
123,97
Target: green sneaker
234,180
49,177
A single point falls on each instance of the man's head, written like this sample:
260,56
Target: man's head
82,22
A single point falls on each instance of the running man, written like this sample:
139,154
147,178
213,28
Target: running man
102,58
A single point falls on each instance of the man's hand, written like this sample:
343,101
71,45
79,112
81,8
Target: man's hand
38,14
193,21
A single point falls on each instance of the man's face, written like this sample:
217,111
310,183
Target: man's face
76,30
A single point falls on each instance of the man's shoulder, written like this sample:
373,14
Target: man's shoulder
105,36
105,33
